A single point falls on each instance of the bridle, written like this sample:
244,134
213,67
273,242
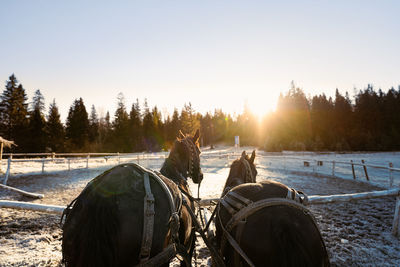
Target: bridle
191,147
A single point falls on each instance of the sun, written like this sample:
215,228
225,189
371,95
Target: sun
262,105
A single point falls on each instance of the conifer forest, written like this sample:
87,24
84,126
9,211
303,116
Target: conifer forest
369,120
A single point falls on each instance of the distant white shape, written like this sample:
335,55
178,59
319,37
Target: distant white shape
237,142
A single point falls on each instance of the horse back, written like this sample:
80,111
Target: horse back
105,225
278,235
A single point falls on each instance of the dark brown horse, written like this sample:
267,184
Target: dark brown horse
265,223
106,225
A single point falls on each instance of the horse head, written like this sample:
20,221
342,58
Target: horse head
243,170
186,155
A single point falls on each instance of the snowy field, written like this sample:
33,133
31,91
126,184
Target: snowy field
356,233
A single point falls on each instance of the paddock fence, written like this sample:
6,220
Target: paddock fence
385,176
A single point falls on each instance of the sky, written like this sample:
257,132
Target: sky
214,54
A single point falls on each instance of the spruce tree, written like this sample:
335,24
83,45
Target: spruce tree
135,125
157,134
14,113
77,129
189,120
148,128
93,126
121,126
105,138
321,116
55,129
37,124
206,128
342,121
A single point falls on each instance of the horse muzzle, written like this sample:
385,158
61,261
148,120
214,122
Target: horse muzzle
199,178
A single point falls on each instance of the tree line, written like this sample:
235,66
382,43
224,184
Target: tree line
370,122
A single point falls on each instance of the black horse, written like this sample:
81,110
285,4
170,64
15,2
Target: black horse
265,223
108,224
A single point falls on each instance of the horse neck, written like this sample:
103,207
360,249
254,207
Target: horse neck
171,171
231,182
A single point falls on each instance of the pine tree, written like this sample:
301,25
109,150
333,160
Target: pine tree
121,126
157,133
93,126
342,121
321,116
105,134
189,119
292,122
206,129
54,129
77,126
37,125
14,113
148,128
175,125
135,124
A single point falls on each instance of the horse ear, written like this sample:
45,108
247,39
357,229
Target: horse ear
253,155
196,136
243,154
181,135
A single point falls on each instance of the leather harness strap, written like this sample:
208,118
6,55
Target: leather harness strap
297,196
240,208
148,220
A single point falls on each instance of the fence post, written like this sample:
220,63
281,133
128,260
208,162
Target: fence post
396,219
8,170
352,169
390,174
43,165
365,170
333,168
69,164
138,161
53,156
119,160
87,161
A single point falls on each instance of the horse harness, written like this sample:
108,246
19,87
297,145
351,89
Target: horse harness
192,147
174,248
240,208
148,217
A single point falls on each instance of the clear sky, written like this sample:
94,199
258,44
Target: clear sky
216,54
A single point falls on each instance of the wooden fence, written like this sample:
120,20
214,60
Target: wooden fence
69,158
313,200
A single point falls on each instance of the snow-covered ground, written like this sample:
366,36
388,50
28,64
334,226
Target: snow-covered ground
356,233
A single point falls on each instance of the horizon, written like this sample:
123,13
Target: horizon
214,55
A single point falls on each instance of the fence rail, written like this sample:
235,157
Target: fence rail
68,158
317,199
75,158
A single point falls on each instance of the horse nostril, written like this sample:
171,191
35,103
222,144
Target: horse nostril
201,176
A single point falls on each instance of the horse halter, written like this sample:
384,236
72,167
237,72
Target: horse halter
191,146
